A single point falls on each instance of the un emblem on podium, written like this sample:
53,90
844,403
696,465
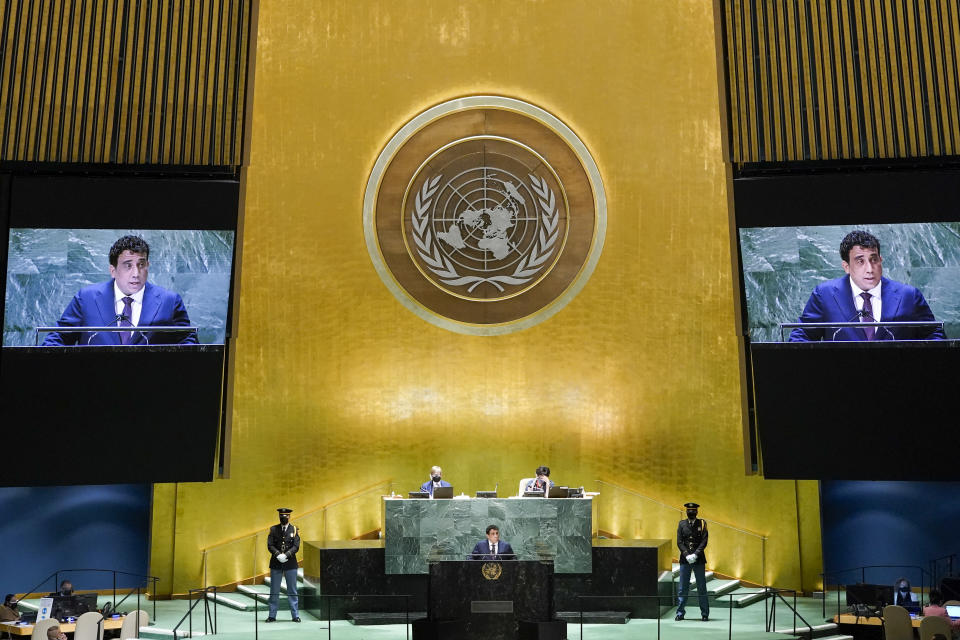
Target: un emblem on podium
484,215
491,570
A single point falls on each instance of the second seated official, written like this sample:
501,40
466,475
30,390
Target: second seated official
542,481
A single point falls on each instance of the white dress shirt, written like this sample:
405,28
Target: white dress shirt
135,307
875,301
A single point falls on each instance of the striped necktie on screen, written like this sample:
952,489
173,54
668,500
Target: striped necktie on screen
126,320
868,316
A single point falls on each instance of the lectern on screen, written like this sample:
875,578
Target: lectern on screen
802,397
116,404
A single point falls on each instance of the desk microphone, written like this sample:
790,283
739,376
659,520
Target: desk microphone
117,318
872,319
858,314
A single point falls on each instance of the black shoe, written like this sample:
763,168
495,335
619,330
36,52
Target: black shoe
270,620
679,617
298,619
705,618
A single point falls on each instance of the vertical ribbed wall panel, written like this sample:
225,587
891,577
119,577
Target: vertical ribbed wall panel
123,81
842,79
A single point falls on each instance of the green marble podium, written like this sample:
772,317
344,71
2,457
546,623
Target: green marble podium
417,530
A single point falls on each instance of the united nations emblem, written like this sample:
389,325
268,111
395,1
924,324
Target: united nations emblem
491,570
485,215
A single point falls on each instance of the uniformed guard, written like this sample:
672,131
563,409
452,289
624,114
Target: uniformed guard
692,540
283,544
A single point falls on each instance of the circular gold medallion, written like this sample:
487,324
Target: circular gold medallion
484,215
491,570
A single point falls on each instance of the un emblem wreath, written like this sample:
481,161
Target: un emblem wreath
491,570
530,264
484,215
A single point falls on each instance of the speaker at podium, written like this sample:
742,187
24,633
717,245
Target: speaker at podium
480,599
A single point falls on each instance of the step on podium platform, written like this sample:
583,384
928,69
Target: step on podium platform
594,617
375,618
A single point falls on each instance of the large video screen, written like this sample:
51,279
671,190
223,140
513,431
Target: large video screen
783,265
47,269
129,381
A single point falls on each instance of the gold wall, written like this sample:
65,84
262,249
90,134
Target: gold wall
636,381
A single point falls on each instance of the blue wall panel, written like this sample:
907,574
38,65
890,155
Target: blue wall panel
887,523
46,529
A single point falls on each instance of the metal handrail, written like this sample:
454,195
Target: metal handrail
206,611
153,580
772,619
950,558
329,596
303,515
760,537
680,511
863,578
319,510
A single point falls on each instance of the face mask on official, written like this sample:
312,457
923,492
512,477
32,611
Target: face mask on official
284,518
436,478
691,513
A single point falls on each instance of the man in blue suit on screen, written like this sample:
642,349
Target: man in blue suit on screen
126,300
864,295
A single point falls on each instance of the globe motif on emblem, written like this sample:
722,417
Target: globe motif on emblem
489,230
484,215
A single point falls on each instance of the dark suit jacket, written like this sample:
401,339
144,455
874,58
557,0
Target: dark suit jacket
832,301
482,551
93,306
427,487
278,543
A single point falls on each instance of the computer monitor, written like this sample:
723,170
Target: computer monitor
73,606
869,596
558,492
443,492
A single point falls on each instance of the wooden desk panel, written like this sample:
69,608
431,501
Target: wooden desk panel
67,627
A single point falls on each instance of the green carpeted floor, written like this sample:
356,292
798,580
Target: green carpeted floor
748,624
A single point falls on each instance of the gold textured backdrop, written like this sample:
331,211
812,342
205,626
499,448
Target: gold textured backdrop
635,382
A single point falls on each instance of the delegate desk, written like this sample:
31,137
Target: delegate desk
15,629
420,531
864,627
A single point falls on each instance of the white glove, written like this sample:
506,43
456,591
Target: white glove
692,558
281,557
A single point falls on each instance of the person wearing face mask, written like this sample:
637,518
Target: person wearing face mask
66,589
903,596
8,612
692,540
283,544
436,480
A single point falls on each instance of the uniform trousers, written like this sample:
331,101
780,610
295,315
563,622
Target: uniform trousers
699,570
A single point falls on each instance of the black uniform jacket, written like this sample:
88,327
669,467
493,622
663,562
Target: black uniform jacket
279,542
692,538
